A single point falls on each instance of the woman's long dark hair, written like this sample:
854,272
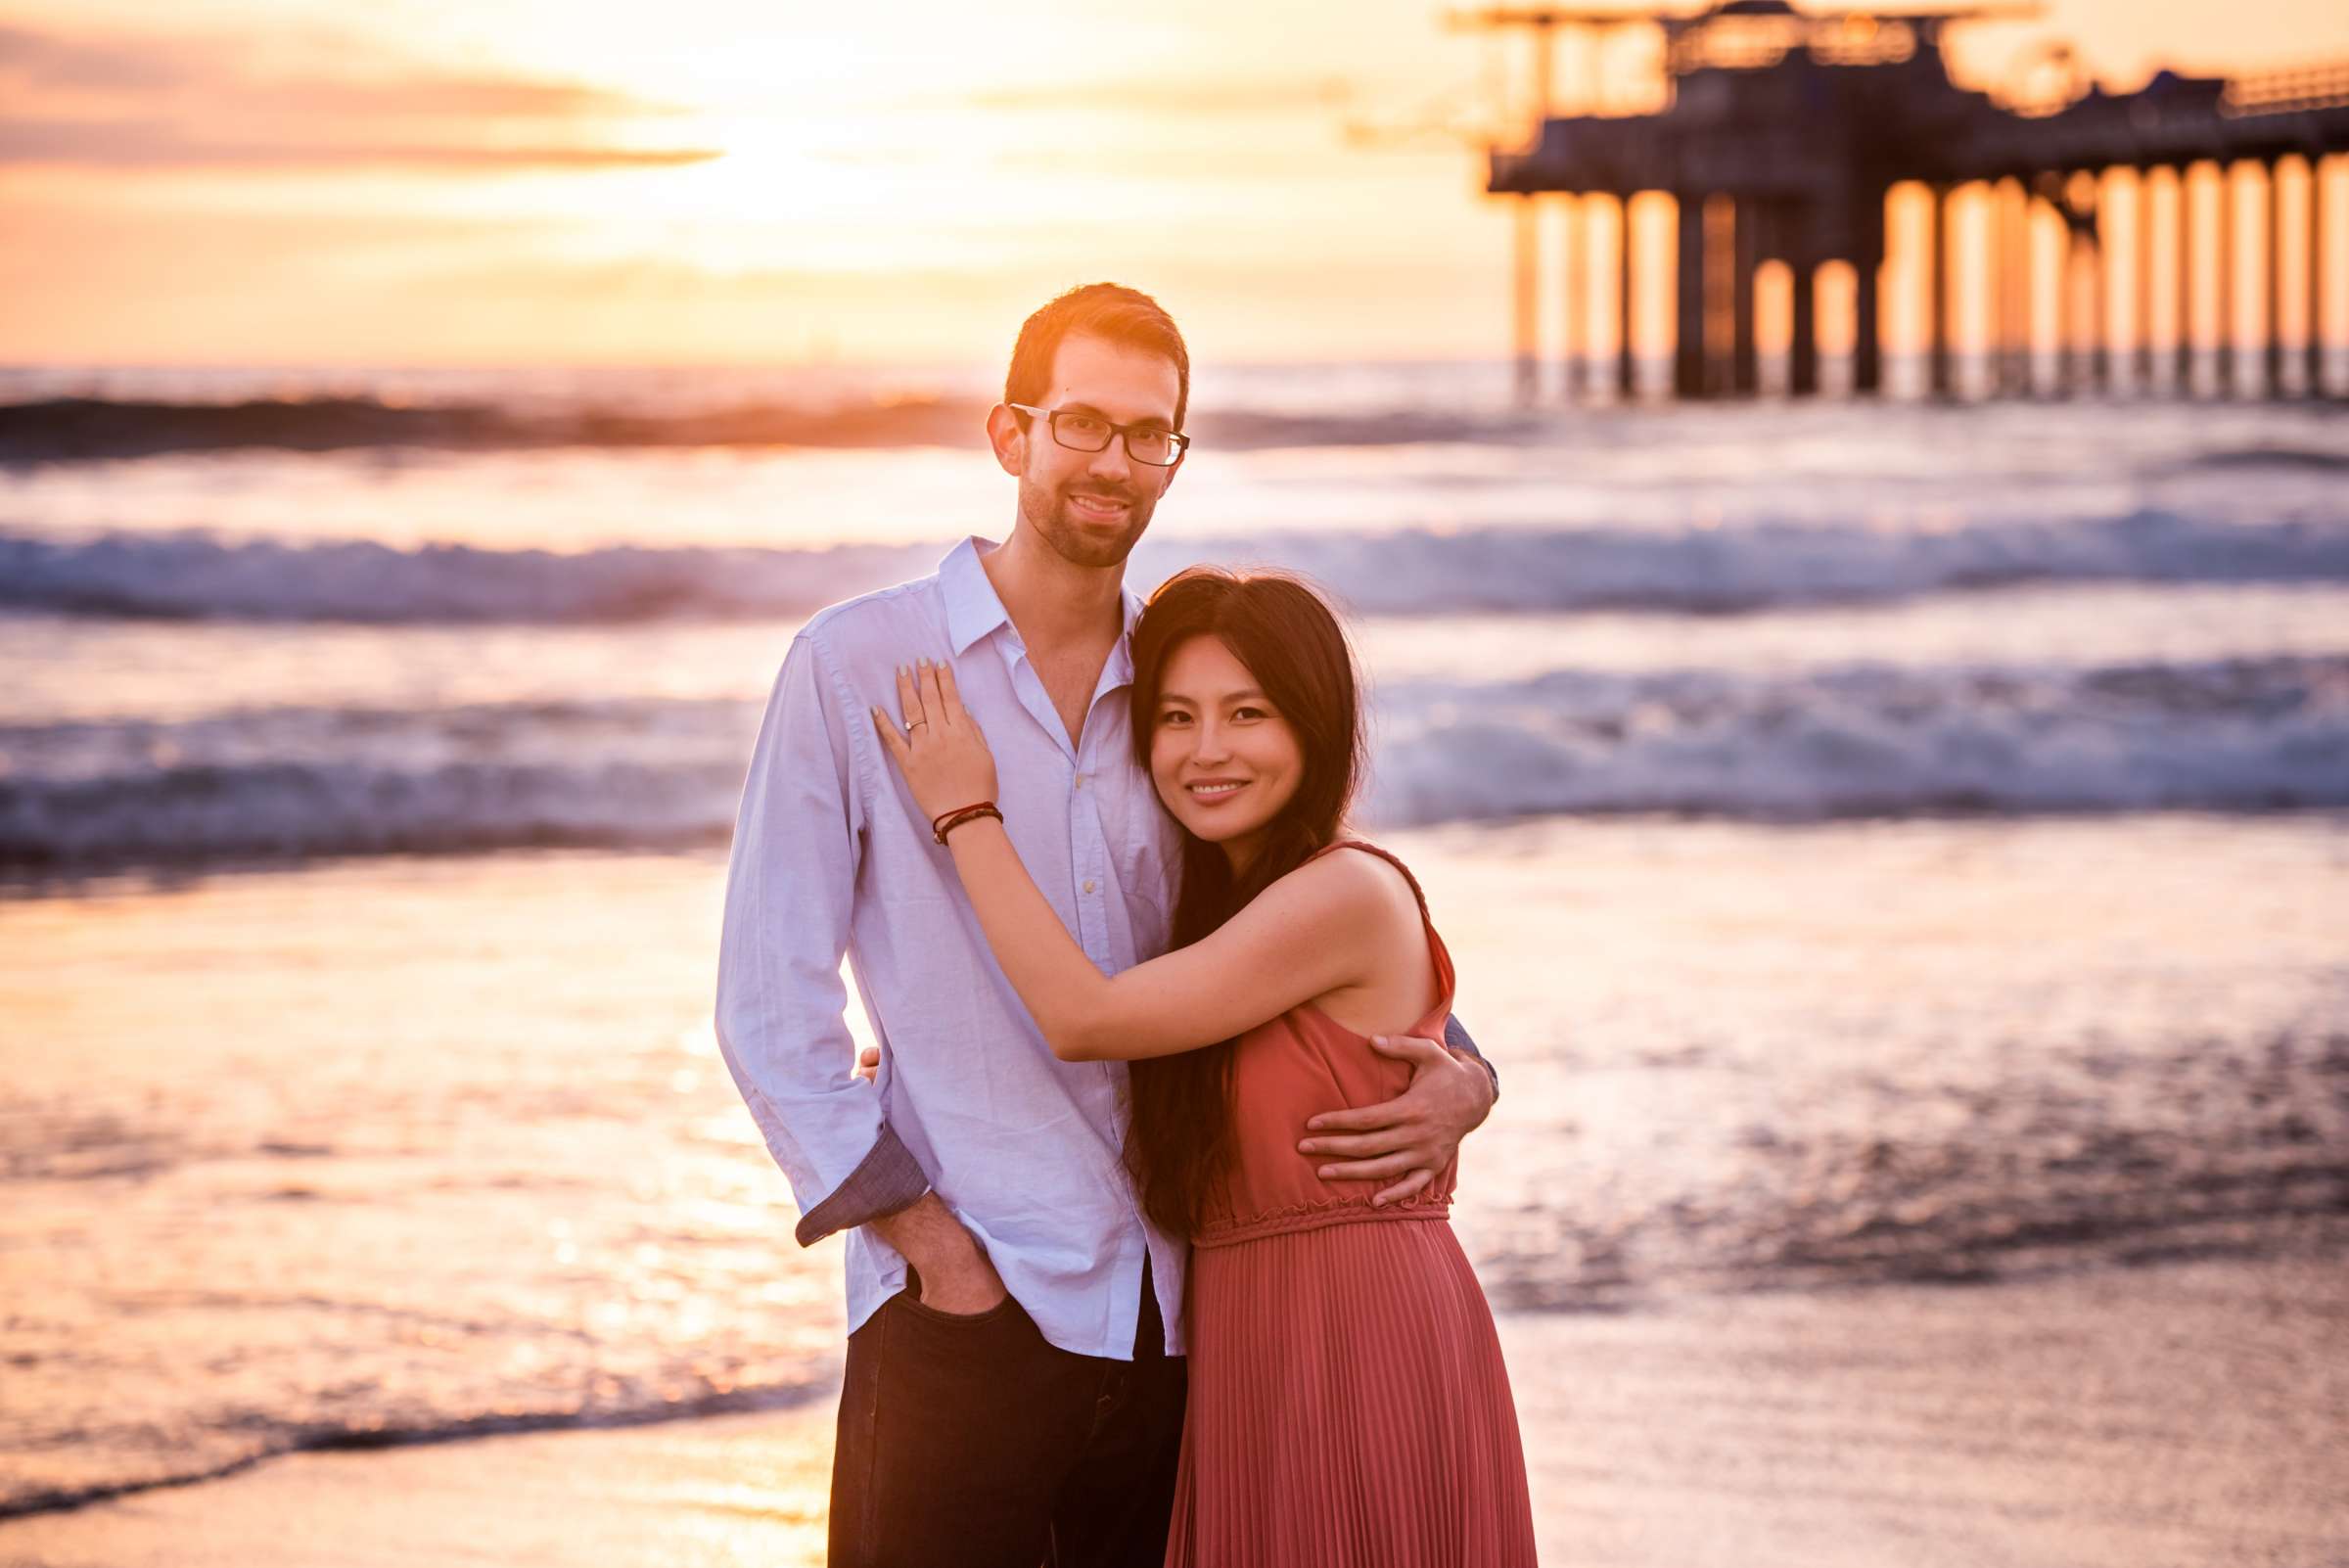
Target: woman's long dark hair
1178,1147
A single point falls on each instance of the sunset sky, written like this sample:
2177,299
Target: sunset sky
771,181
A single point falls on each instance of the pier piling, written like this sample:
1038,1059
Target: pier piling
1783,133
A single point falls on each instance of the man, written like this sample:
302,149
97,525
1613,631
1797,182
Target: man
1014,1388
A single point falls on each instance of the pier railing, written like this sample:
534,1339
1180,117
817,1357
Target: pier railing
2285,92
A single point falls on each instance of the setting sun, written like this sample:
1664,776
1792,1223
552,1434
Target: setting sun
724,182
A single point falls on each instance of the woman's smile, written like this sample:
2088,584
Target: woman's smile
1212,717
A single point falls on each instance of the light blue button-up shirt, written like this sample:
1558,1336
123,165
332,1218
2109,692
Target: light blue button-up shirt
831,854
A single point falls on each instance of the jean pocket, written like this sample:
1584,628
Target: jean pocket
1008,1307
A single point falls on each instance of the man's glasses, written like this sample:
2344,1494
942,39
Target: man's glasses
1153,444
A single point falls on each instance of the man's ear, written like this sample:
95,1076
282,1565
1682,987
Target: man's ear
1010,442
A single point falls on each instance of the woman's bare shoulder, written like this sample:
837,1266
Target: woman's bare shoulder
1357,890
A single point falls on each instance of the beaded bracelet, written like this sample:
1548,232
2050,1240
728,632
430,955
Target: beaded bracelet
948,821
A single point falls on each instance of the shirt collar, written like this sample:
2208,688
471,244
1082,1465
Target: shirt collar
974,610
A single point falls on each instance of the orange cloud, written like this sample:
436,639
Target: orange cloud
320,101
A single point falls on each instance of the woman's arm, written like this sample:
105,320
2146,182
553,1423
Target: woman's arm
1302,938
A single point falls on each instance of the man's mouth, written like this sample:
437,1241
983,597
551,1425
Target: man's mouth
1098,506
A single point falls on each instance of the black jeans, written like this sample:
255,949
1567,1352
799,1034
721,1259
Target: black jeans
972,1441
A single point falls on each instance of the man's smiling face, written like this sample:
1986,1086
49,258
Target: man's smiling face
1091,507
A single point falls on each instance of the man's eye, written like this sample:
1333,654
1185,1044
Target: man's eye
1079,425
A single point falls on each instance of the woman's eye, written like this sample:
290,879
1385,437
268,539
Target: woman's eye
1247,713
1174,718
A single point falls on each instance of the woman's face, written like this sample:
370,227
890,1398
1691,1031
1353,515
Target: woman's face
1224,759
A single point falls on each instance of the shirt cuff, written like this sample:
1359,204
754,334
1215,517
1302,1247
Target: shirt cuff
887,1180
1455,1037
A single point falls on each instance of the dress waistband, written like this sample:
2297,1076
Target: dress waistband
1316,1215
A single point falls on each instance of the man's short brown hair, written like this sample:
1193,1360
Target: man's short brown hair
1126,317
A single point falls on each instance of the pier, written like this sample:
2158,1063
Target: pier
2176,239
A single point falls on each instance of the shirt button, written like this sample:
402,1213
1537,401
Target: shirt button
1080,781
1088,884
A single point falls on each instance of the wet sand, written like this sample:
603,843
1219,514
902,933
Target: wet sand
2184,1414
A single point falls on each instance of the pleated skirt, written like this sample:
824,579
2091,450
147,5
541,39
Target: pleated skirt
1349,1407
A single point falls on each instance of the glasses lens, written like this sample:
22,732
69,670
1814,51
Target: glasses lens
1082,431
1150,445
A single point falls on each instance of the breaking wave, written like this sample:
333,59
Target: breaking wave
199,576
1857,741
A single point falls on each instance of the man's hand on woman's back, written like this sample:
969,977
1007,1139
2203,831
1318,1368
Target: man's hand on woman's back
1414,1135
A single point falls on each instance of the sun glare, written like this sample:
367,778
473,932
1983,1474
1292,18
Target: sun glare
282,178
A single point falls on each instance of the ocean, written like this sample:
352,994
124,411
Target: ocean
1881,844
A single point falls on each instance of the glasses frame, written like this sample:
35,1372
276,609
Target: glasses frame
1123,433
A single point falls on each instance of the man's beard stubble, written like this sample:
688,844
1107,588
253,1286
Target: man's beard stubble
1046,510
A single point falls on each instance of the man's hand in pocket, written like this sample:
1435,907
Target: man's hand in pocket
956,1277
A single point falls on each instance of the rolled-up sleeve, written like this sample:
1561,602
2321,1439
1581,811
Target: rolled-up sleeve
1455,1035
780,1023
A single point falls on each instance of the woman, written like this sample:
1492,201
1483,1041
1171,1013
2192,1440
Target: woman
1348,1400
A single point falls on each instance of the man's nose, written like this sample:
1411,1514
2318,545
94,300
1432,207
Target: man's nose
1110,464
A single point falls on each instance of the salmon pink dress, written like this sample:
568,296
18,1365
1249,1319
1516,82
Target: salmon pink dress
1348,1402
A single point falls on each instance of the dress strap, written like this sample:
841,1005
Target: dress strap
1446,978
